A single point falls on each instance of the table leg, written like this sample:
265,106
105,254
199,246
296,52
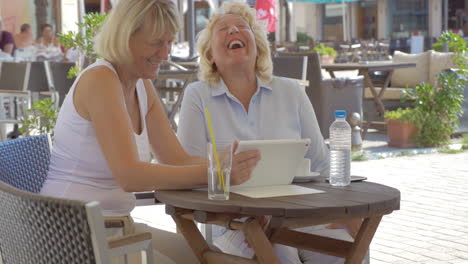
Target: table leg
259,242
191,233
352,252
386,83
332,73
362,240
378,102
186,226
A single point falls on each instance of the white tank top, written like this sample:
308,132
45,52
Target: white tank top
78,169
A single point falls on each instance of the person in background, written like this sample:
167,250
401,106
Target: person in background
25,38
48,47
7,42
248,103
47,38
112,119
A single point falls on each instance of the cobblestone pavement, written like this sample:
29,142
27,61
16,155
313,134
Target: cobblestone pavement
432,224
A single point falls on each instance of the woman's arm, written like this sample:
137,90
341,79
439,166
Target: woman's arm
99,98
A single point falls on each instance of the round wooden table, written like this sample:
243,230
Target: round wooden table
362,200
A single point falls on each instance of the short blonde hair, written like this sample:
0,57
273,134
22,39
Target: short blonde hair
263,66
127,17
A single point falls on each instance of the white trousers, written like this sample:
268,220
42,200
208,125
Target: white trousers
233,242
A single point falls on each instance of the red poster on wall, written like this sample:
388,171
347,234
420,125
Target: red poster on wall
266,12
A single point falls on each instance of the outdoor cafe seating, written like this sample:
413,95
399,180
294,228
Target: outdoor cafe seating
325,94
21,83
302,72
55,230
24,164
170,85
42,229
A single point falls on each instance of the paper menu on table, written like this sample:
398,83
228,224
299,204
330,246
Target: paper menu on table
273,191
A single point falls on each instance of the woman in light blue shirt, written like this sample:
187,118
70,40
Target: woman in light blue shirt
246,102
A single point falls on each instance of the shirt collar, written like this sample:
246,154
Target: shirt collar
221,88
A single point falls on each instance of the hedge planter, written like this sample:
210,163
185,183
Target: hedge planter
400,134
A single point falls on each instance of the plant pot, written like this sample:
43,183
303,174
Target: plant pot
400,134
327,59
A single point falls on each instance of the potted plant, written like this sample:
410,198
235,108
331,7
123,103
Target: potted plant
435,111
82,41
304,42
327,54
401,130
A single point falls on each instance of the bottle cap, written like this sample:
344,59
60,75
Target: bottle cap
340,113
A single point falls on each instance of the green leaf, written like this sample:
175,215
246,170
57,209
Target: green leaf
325,50
83,42
40,118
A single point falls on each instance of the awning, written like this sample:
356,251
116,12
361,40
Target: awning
321,1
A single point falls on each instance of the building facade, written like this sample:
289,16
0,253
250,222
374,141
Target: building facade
379,19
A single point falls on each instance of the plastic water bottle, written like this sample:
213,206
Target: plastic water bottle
340,150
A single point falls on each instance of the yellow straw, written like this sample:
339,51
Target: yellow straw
215,153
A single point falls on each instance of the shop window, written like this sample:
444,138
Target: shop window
409,17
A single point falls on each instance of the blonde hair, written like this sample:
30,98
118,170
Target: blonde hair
263,66
126,18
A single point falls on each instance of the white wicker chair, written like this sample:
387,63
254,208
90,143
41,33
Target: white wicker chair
24,164
39,229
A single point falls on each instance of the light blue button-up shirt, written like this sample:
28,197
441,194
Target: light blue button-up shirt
278,110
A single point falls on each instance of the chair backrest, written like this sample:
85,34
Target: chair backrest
313,74
14,76
38,81
39,229
24,162
290,66
183,77
59,75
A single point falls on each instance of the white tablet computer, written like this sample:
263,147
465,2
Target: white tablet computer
280,159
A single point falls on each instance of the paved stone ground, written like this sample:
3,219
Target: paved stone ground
432,224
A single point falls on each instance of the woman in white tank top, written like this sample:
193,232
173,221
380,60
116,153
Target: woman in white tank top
112,118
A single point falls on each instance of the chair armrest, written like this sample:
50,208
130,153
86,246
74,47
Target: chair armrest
128,239
132,243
